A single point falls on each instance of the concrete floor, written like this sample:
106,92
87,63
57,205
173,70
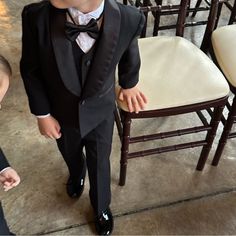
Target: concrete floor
163,194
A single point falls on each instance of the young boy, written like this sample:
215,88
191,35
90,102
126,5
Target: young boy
8,176
70,52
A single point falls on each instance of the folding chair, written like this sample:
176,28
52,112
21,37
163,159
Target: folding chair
224,54
177,78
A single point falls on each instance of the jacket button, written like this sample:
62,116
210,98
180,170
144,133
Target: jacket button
82,102
88,62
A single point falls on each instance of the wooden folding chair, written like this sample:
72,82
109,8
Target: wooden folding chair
178,78
224,54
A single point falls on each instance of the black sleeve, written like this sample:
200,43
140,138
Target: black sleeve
129,65
30,68
3,161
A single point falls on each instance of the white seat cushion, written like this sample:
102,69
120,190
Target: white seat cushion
224,46
174,72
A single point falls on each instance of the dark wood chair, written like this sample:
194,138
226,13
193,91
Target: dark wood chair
232,8
169,9
178,78
224,54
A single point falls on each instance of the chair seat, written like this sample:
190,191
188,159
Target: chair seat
224,46
174,73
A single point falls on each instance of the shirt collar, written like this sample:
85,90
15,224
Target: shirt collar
93,14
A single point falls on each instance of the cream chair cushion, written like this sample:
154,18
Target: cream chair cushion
224,46
174,73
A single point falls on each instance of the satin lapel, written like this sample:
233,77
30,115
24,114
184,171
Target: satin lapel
104,50
63,51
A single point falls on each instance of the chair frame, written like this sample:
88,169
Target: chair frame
227,122
124,119
227,132
232,18
232,8
173,9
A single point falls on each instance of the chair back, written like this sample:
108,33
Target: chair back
152,13
232,18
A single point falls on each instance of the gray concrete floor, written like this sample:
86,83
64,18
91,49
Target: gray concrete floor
163,194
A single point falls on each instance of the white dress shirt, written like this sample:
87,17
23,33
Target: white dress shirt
84,41
4,169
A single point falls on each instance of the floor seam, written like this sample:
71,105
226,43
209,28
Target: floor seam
165,205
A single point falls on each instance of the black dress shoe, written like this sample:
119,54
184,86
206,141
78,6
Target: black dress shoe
75,188
104,223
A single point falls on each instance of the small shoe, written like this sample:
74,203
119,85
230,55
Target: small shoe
104,223
74,189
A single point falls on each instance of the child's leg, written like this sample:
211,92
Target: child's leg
98,148
4,230
70,147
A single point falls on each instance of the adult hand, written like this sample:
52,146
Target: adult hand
134,99
9,178
49,127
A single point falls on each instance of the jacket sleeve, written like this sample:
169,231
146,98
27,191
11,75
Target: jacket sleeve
30,68
3,161
129,65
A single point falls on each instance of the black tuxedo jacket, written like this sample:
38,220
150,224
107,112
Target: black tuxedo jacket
3,161
49,72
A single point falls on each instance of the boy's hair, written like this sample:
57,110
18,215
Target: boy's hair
5,66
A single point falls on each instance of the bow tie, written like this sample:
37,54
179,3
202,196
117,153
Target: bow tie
72,30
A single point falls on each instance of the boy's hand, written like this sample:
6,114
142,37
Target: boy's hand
9,179
134,98
49,127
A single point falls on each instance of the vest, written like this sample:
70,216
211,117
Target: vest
82,61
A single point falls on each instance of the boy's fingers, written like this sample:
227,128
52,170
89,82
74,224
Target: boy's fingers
2,179
135,105
130,105
121,96
7,183
57,133
16,183
6,188
57,136
141,102
143,97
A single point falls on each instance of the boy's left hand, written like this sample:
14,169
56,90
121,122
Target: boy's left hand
9,179
134,98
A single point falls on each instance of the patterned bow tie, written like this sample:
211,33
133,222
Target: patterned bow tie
72,30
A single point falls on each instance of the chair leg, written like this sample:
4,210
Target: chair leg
124,150
233,14
118,123
189,5
210,137
218,14
157,17
195,8
225,134
232,17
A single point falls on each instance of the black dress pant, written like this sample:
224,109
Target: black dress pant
97,144
4,230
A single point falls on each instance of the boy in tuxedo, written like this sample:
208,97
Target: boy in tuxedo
69,56
8,176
